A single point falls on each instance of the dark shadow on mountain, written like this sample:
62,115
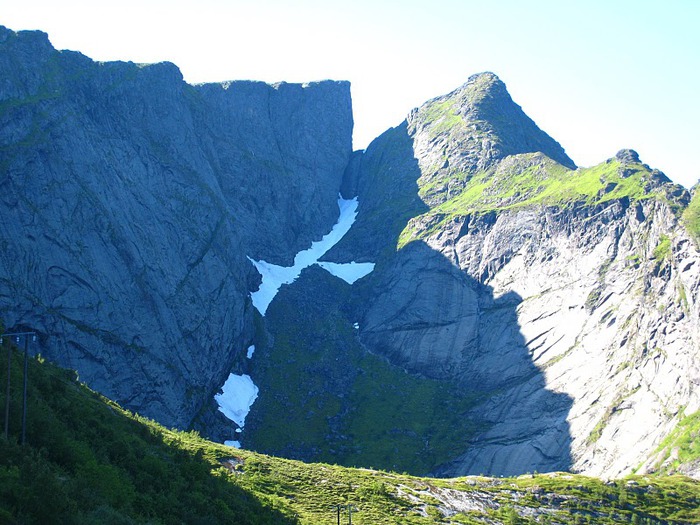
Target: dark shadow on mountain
431,321
324,398
427,315
383,177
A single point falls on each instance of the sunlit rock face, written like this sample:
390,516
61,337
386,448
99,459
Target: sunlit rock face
565,299
598,354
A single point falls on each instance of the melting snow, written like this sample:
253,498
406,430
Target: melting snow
239,392
238,395
348,272
274,276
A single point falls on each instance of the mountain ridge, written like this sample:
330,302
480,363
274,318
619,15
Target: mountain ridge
555,247
130,199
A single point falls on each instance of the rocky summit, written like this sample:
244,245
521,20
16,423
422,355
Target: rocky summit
515,312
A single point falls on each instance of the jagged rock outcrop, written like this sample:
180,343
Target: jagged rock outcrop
432,156
474,126
130,200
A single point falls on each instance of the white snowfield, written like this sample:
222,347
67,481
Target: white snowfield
238,395
348,272
274,276
239,392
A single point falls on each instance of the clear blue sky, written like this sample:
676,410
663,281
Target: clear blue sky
596,75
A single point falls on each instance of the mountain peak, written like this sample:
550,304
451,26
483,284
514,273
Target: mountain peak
481,89
37,40
484,76
471,130
628,156
486,81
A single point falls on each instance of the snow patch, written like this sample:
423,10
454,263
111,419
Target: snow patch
348,272
237,396
234,444
251,349
274,276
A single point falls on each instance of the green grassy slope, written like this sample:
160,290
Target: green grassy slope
533,179
89,461
691,215
681,448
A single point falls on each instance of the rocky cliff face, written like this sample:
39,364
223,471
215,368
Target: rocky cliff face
130,201
566,298
607,325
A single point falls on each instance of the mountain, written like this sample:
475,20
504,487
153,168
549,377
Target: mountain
557,305
567,298
515,313
130,201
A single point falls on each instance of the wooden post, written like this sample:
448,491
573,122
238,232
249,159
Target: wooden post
7,398
24,393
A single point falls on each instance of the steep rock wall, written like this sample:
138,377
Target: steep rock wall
566,313
129,202
608,325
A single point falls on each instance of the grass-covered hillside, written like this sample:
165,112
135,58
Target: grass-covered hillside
87,461
680,450
692,214
532,179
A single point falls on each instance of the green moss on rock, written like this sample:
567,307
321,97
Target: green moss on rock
691,215
681,448
532,179
662,250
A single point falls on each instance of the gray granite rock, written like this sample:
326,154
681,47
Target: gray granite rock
129,201
579,335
